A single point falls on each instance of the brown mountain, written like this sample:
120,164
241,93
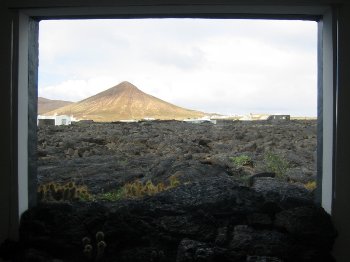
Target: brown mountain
46,105
122,102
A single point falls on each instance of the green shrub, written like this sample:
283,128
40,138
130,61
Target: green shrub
276,164
137,189
113,195
242,160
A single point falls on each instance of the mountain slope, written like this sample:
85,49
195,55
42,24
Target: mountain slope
46,105
125,101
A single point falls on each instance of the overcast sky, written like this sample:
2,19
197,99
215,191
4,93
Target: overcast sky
218,66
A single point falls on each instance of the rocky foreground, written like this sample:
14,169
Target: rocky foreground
212,219
224,207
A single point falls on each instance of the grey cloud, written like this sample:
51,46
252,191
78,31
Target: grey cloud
176,58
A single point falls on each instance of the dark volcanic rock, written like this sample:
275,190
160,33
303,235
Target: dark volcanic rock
310,224
190,251
263,259
193,251
213,215
105,156
213,219
279,191
247,240
298,175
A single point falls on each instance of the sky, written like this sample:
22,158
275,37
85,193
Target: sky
225,66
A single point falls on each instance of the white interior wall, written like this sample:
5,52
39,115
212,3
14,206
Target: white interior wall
22,114
328,96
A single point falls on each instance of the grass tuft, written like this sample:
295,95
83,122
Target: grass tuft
311,185
276,164
242,160
137,189
63,192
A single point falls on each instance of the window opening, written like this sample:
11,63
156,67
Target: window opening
243,105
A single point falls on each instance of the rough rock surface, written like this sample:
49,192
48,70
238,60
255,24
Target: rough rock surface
105,156
219,212
212,219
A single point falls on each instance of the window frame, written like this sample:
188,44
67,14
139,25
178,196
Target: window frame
25,74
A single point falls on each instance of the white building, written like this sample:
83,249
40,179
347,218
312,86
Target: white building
200,120
252,116
57,120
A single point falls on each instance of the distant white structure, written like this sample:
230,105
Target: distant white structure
56,120
251,117
279,118
128,121
226,116
200,120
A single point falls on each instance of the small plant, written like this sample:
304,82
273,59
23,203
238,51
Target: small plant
122,162
88,249
88,252
276,164
174,181
311,185
63,192
242,160
137,189
114,195
101,245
